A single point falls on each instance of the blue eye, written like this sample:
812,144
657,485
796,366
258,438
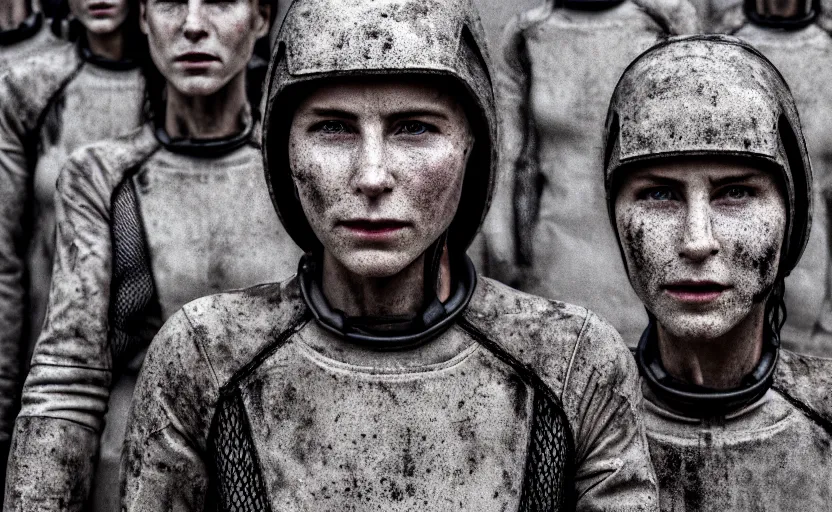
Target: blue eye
413,128
660,194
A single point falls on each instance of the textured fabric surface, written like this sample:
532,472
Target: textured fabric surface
234,456
338,426
769,456
132,286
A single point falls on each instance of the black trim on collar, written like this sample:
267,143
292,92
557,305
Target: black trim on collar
590,5
795,23
103,62
699,401
435,319
28,28
205,148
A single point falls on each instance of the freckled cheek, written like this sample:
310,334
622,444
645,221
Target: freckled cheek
321,177
650,239
435,178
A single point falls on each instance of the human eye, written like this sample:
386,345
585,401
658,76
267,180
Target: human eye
331,127
414,128
658,194
735,193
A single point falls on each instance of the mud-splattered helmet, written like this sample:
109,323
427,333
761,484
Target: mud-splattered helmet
711,95
323,39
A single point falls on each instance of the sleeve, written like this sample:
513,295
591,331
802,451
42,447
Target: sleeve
509,220
602,398
163,464
14,196
65,396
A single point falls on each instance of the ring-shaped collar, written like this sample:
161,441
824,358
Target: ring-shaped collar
28,28
435,319
103,62
699,401
205,148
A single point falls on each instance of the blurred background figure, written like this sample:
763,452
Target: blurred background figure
549,232
176,210
64,96
24,30
795,36
710,11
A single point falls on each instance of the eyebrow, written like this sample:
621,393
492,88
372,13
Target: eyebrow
733,179
395,116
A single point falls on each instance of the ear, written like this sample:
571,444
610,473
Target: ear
143,17
264,16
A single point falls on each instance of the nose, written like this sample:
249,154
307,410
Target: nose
698,241
194,28
372,177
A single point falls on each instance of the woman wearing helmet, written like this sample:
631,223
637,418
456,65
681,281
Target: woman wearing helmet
146,223
386,374
709,189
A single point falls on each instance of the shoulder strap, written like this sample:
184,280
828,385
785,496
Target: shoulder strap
549,481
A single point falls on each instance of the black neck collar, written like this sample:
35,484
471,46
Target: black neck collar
205,148
387,333
589,5
793,23
699,401
86,54
28,28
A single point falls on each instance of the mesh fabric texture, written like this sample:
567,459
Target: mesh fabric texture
238,481
132,290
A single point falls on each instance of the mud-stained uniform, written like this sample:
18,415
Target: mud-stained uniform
145,225
770,455
558,70
50,105
29,38
803,56
510,404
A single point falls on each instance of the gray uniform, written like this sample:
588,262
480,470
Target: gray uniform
207,224
803,56
771,455
50,105
559,67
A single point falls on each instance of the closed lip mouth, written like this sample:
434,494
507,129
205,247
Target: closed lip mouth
373,225
100,6
196,57
695,289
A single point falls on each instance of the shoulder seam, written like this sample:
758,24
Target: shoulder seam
575,353
202,353
805,409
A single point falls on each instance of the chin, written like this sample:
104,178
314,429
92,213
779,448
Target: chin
375,263
100,26
697,327
197,85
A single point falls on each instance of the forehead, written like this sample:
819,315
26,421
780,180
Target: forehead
372,94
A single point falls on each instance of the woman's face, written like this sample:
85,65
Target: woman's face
379,167
200,45
702,240
100,16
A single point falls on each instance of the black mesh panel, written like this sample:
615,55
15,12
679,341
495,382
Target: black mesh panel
132,290
547,486
236,473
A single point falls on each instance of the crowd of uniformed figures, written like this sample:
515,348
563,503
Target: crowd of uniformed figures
415,255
